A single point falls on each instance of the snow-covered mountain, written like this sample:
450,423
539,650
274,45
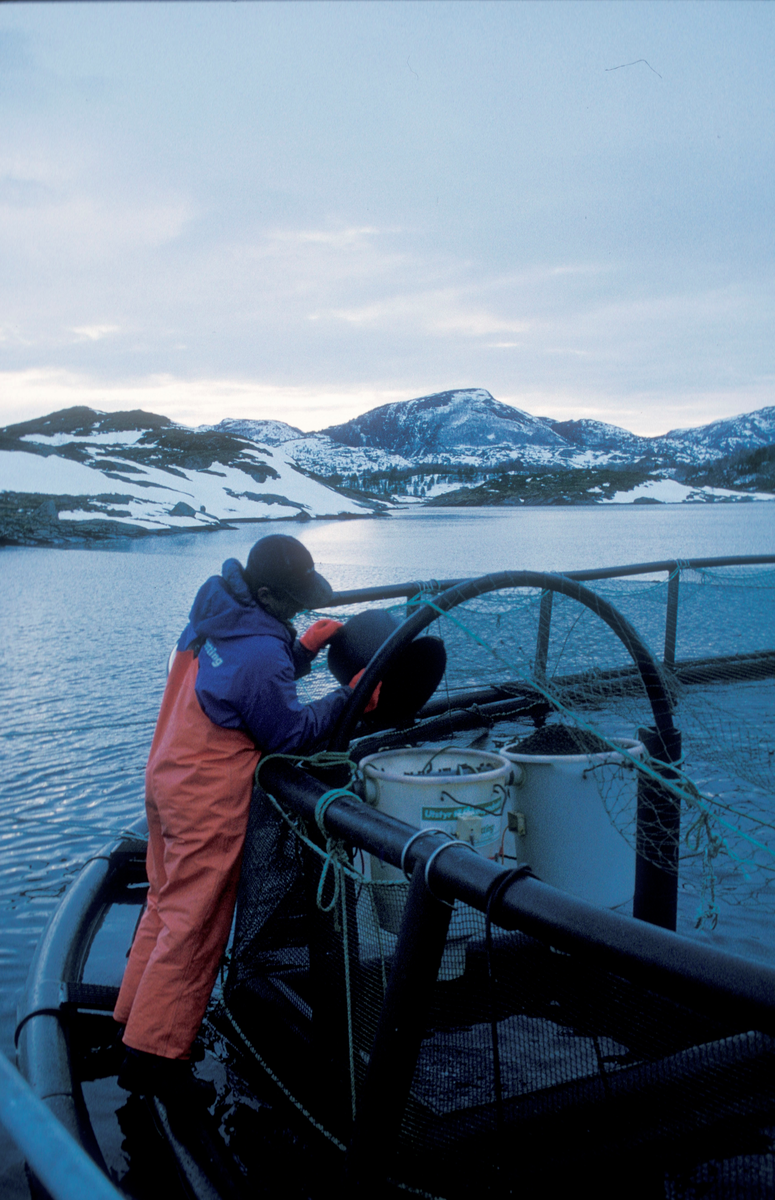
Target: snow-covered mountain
462,428
469,426
729,436
445,423
314,452
81,473
598,436
271,433
705,443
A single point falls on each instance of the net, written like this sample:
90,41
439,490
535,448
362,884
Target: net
720,690
537,1068
540,1069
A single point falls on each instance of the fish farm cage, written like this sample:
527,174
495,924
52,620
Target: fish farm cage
466,1026
444,1022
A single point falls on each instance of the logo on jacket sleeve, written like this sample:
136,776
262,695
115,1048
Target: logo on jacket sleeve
212,654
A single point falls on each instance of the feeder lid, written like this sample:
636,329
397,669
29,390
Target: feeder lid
410,680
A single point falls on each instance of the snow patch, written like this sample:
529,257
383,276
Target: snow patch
126,438
669,491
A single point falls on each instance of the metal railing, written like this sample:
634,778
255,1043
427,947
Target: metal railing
672,567
658,808
53,1155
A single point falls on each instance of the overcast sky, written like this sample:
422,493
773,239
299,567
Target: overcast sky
301,211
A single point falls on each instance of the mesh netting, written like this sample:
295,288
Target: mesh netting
538,1069
596,1076
720,690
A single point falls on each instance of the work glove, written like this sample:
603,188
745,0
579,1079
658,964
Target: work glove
319,634
374,701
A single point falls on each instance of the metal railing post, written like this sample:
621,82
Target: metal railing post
544,631
671,616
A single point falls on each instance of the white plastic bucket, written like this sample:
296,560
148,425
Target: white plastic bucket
561,806
422,787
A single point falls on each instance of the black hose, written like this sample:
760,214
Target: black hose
656,689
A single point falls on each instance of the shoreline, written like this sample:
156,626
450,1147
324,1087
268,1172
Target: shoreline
44,528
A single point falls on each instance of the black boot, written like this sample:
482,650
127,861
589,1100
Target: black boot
153,1075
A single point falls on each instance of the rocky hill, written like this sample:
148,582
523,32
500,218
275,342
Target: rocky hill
733,435
316,452
81,475
703,444
448,423
743,470
469,424
464,447
469,428
595,486
603,438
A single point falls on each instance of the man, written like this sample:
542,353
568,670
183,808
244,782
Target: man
230,697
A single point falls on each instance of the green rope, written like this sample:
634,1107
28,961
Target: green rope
348,998
276,1080
335,857
322,759
322,806
708,909
404,1187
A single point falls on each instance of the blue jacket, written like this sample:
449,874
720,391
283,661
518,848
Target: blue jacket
248,666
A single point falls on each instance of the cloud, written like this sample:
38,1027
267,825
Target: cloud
336,238
204,401
259,210
93,333
426,313
69,230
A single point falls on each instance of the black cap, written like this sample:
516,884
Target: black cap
282,562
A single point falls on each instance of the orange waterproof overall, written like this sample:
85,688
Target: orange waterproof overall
199,782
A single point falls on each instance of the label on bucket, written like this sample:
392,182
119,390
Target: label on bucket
432,812
476,830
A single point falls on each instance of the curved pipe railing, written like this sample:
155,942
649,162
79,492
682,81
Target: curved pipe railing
670,566
43,1051
395,591
427,612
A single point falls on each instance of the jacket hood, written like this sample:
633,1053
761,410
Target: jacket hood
224,607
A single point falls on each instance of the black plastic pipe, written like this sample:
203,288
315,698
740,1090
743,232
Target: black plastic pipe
426,613
678,967
658,834
403,1020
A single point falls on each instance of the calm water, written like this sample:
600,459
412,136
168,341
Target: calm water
86,636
